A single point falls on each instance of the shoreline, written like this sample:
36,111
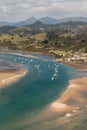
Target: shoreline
70,102
8,77
82,66
74,96
72,99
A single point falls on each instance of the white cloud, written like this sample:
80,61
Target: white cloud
16,10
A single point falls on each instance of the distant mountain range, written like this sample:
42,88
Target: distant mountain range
43,20
38,24
48,20
28,21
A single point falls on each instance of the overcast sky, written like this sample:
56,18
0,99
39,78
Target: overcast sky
17,10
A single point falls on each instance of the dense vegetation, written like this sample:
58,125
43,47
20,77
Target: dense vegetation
67,37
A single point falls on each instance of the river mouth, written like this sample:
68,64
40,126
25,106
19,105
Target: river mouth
22,101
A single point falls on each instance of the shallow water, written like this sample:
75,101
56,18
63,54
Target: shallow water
25,99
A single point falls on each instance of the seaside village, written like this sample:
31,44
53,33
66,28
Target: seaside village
69,56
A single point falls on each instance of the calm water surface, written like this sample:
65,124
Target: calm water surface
25,99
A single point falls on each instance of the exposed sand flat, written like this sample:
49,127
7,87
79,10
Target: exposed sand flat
74,96
10,76
26,55
82,66
71,101
60,107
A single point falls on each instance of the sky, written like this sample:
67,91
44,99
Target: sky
17,10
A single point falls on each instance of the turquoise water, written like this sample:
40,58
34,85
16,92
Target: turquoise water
25,99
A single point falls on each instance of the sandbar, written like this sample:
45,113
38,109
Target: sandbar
74,97
10,76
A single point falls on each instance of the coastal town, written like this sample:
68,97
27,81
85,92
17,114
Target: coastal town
69,56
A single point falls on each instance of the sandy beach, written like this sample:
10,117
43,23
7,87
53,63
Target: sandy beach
82,66
73,98
75,95
10,76
25,55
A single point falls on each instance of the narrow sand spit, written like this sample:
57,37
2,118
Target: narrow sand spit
9,76
26,55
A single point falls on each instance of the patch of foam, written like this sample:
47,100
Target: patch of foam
68,114
72,86
58,105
